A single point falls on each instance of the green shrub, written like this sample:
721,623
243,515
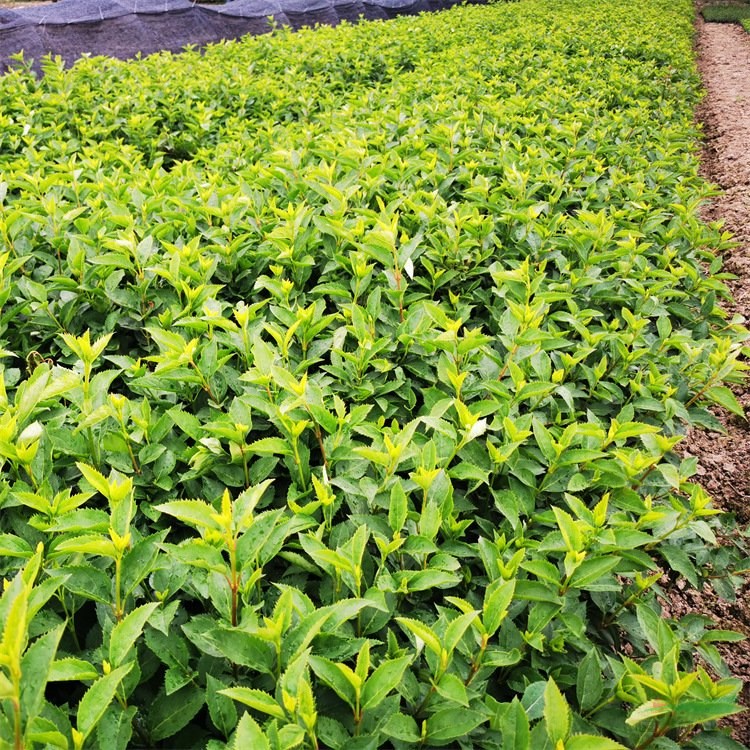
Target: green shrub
342,376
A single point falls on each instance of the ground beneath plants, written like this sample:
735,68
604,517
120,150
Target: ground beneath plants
724,460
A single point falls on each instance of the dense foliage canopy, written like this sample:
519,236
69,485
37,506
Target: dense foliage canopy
342,373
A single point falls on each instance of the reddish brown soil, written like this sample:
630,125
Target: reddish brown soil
724,460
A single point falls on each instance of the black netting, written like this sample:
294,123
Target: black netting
122,37
309,12
349,10
435,5
9,18
155,6
240,17
176,29
393,8
74,12
125,28
20,37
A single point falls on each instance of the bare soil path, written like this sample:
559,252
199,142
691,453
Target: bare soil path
724,460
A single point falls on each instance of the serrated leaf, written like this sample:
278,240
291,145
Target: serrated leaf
592,742
250,735
690,713
384,679
270,446
515,728
170,713
95,478
422,632
721,395
72,669
35,669
196,513
340,678
497,599
126,632
556,713
590,682
97,698
451,723
397,508
401,727
115,728
13,546
221,709
649,710
591,570
256,699
453,689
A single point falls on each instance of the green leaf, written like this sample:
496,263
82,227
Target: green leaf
497,599
678,560
449,724
95,478
591,570
270,446
196,513
590,682
386,677
689,713
721,395
456,629
397,508
97,698
515,728
592,742
35,670
556,713
13,546
256,699
401,727
250,735
245,648
115,728
453,689
87,544
649,710
422,632
338,677
170,713
72,669
221,709
126,632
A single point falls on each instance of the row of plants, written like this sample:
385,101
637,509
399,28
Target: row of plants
342,375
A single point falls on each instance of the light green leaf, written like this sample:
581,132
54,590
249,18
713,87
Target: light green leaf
649,710
451,723
250,735
126,632
97,698
422,632
515,728
556,713
196,513
256,699
383,680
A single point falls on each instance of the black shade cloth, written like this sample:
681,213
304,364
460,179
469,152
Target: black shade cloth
309,12
239,17
126,28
